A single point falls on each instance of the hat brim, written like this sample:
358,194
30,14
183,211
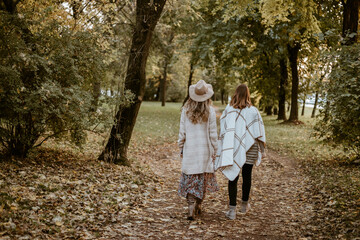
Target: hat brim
201,98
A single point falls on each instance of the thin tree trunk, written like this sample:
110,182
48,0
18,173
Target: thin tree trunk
305,95
268,110
189,81
147,15
96,95
303,107
326,111
112,84
222,96
293,56
275,111
282,92
163,84
10,6
168,56
315,104
350,20
158,91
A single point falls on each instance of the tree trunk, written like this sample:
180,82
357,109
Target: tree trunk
326,111
158,92
10,6
268,110
275,111
222,96
282,92
112,84
168,55
163,84
315,104
147,15
293,55
96,95
303,107
350,20
189,81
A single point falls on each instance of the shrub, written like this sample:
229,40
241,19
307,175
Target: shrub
175,92
340,119
44,81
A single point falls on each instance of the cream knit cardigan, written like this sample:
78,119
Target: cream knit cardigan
199,143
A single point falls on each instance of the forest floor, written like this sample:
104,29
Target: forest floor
276,199
82,199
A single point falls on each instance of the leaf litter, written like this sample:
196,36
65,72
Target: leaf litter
75,196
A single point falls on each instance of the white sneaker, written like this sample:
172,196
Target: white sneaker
231,214
245,207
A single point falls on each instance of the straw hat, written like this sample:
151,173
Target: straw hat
200,91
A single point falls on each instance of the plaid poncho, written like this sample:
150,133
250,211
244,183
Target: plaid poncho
238,131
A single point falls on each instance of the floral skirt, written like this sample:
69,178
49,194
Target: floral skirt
197,184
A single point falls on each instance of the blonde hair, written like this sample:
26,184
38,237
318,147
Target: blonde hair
198,112
241,98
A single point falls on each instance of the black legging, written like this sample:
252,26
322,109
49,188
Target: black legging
246,176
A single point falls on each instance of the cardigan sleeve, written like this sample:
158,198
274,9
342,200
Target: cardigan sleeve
182,135
213,130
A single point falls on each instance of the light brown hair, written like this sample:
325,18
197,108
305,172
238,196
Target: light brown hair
198,112
241,98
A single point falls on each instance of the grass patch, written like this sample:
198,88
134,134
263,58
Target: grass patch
156,124
297,140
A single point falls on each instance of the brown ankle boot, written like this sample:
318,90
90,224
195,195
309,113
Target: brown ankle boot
191,214
198,206
197,209
191,209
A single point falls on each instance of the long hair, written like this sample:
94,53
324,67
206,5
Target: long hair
241,98
197,112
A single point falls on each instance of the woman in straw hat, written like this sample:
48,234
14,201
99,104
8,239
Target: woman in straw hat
198,145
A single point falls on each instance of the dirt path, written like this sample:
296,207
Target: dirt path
277,210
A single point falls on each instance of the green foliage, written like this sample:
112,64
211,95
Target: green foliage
152,89
175,92
46,73
305,25
340,122
236,49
